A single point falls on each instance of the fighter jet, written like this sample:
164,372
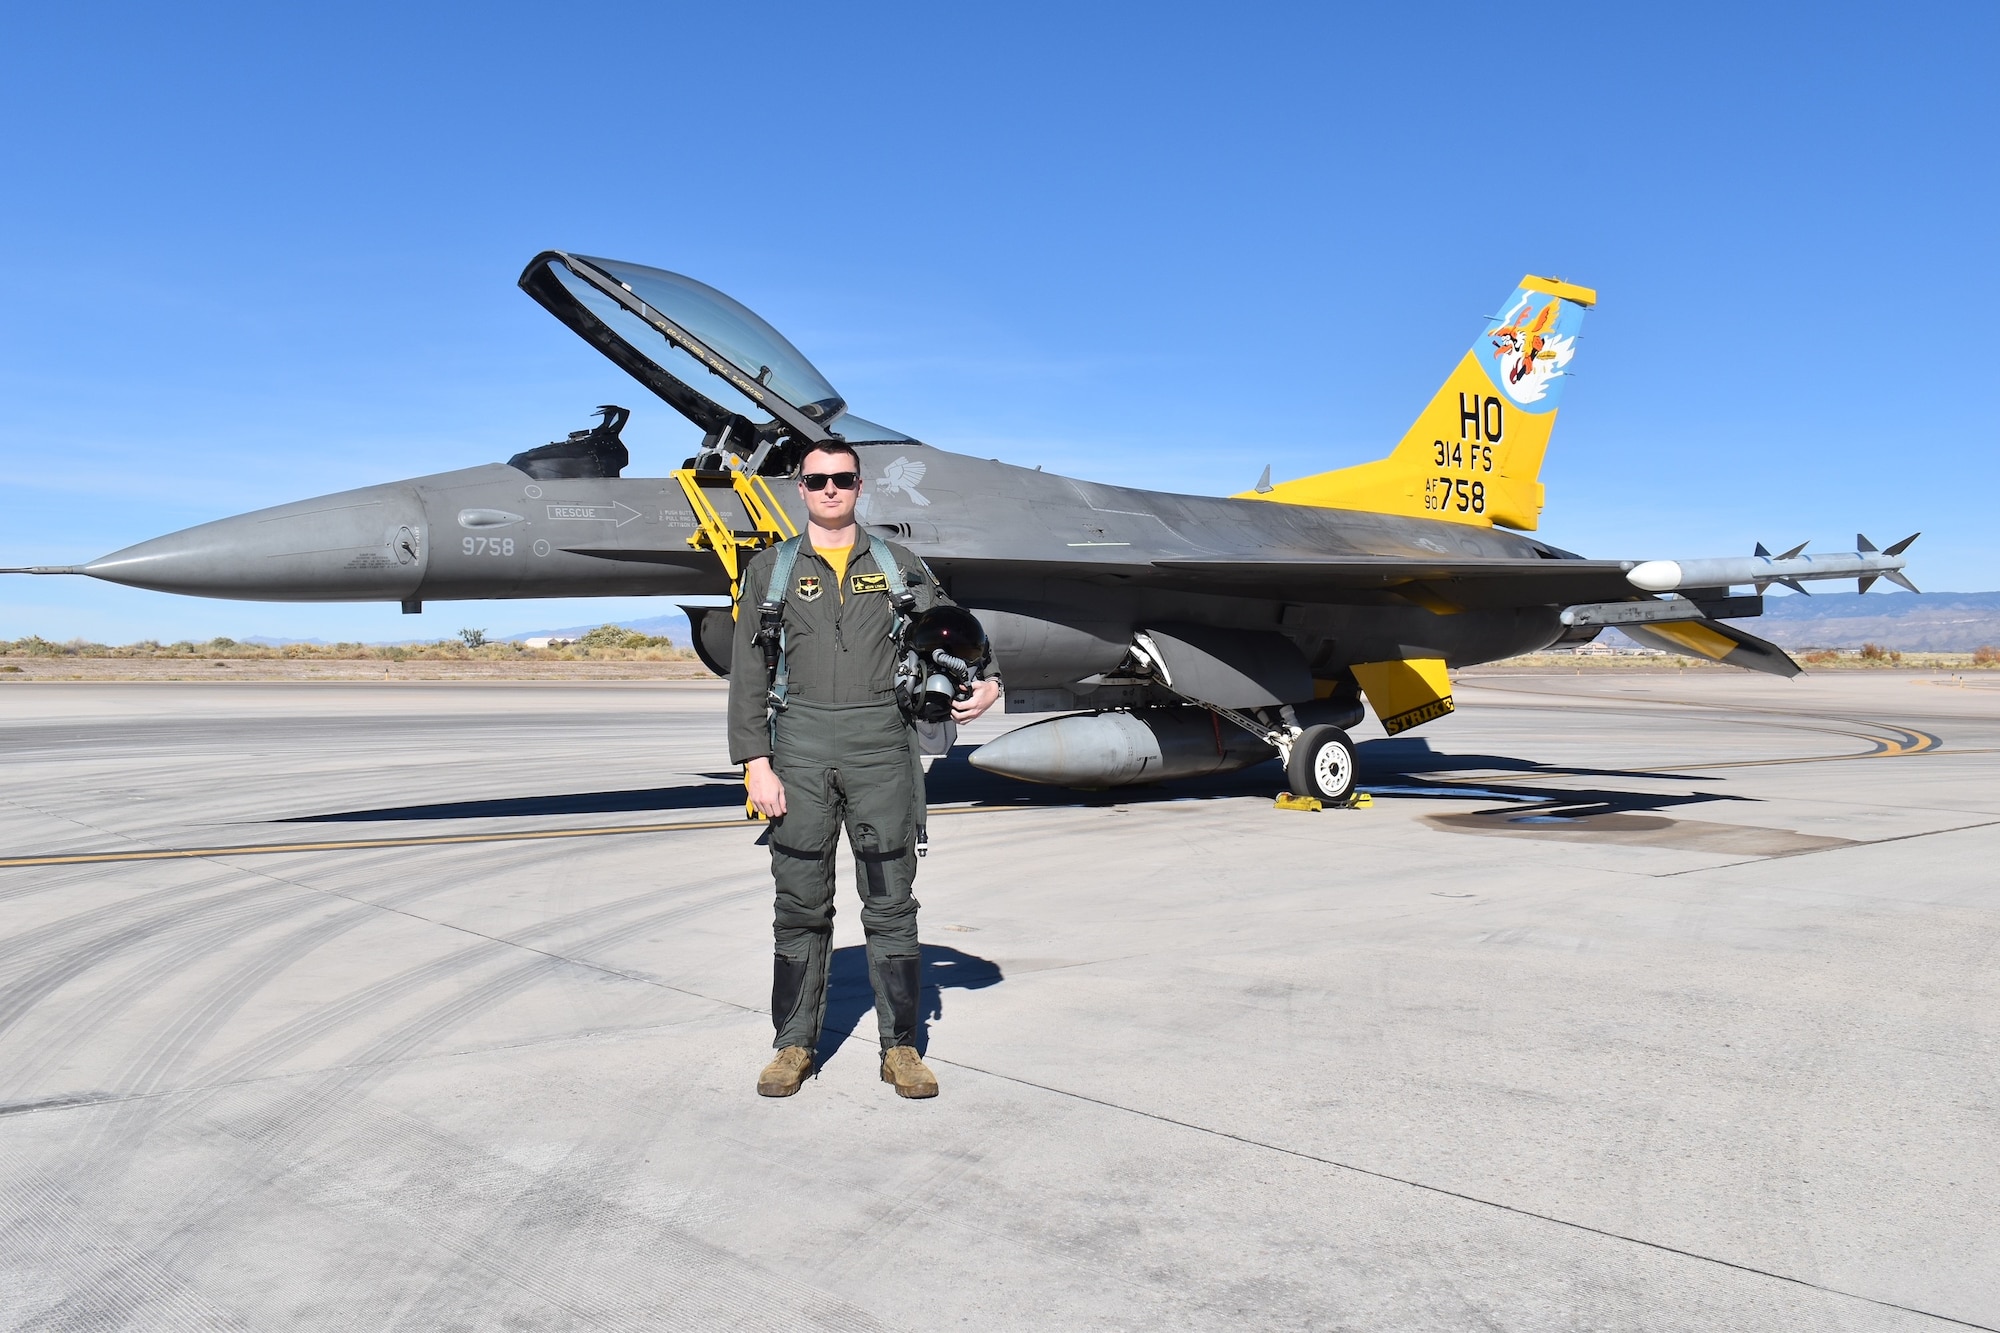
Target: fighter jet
1176,635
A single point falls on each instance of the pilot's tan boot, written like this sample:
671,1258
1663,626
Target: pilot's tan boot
901,1067
788,1069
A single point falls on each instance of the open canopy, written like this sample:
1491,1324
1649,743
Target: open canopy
707,355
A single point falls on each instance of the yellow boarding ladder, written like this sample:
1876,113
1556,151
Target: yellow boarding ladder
737,516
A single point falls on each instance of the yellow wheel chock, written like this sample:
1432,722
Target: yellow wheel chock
1360,800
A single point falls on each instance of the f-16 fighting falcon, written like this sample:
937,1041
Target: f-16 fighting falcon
1178,635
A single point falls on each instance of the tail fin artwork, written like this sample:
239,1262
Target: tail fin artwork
1474,455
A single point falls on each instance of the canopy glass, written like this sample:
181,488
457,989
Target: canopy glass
732,330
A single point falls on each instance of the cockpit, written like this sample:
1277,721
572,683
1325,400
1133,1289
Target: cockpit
708,356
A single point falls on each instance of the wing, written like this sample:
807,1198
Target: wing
1462,584
1438,583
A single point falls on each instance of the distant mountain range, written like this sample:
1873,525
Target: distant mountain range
671,626
1932,622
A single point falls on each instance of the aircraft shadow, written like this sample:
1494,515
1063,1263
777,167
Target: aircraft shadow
1392,766
693,796
850,1001
1405,756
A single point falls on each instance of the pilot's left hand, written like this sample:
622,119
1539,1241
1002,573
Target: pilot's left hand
985,693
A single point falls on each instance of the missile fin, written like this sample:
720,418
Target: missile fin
1761,585
1863,545
1864,583
1795,586
1795,550
1760,552
1263,486
1902,545
1896,577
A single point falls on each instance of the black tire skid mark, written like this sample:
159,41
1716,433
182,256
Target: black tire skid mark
446,1303
29,992
571,1229
127,1289
138,1120
485,1246
119,1127
82,1020
188,1032
279,1136
183,953
53,934
166,1049
1733,715
309,1028
308,895
55,879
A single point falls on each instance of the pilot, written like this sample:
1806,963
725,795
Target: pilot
838,751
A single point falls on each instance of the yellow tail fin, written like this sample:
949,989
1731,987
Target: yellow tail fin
1475,454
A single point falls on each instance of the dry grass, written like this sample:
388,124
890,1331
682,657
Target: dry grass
605,653
611,653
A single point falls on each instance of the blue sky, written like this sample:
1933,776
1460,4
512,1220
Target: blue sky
264,253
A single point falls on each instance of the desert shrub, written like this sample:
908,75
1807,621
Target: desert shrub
1985,655
613,636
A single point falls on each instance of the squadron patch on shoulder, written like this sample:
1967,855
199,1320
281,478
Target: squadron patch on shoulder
868,583
809,587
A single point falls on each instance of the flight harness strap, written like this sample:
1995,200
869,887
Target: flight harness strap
771,616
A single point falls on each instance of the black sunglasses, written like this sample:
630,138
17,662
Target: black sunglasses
816,481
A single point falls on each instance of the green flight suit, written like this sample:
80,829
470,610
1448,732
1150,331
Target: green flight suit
848,758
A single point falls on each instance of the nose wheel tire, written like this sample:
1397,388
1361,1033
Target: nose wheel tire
1323,765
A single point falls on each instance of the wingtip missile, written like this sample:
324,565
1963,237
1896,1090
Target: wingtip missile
1792,569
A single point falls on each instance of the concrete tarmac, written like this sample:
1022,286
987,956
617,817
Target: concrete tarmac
1636,1001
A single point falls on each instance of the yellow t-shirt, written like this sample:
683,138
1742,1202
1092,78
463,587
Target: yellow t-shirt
838,559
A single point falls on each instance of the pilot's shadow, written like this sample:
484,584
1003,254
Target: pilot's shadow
850,1002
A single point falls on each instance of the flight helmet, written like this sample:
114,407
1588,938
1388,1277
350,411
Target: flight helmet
943,651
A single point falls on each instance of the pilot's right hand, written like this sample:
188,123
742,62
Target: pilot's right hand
766,791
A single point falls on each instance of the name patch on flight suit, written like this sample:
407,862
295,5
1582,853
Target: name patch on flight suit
868,583
809,588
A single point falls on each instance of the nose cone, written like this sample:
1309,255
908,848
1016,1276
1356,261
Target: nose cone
1655,575
365,545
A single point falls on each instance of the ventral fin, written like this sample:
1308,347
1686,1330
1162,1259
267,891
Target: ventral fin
1408,693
